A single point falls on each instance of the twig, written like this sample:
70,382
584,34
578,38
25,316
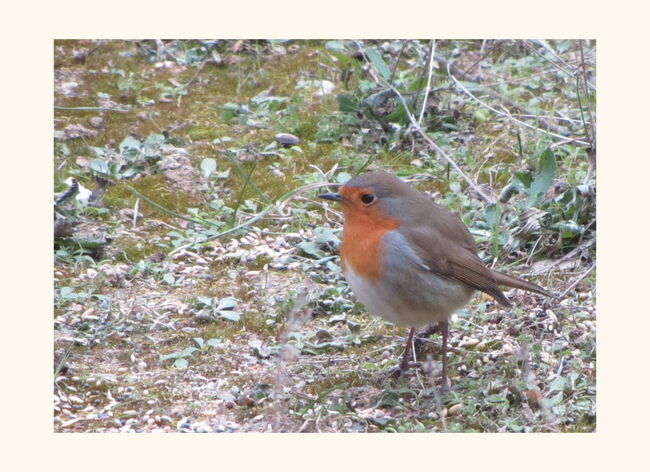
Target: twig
430,141
240,171
119,110
135,211
564,258
438,149
167,210
583,75
200,69
432,51
547,47
577,281
508,115
542,121
399,56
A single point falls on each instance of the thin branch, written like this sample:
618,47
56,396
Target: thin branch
438,149
508,115
583,75
399,56
432,51
576,282
547,47
566,257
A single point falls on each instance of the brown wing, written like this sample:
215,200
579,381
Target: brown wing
447,248
444,243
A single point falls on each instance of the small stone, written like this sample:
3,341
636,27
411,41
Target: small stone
470,342
90,315
96,122
246,401
75,399
454,409
286,140
65,424
322,335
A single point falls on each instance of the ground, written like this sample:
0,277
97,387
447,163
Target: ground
199,290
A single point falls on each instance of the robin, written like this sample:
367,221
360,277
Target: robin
409,260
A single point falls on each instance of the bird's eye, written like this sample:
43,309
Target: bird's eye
367,198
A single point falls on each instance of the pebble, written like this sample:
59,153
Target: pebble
65,424
286,139
96,122
90,315
75,399
471,342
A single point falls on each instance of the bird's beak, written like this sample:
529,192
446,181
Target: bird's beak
331,196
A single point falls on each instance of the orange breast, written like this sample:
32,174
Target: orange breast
362,232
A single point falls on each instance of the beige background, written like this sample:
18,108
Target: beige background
623,130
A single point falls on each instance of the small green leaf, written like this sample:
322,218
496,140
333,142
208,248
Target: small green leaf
335,46
557,385
491,215
399,115
553,401
347,103
200,342
343,177
544,177
188,351
495,399
208,166
166,357
129,144
310,248
229,315
207,301
377,61
481,115
181,363
99,166
227,303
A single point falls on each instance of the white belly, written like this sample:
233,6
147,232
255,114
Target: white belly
430,300
407,294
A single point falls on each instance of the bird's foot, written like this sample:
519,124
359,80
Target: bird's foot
400,370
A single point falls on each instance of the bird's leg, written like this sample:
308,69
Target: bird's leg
404,365
444,329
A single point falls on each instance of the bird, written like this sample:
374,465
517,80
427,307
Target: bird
410,260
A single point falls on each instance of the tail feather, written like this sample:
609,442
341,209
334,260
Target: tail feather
515,282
